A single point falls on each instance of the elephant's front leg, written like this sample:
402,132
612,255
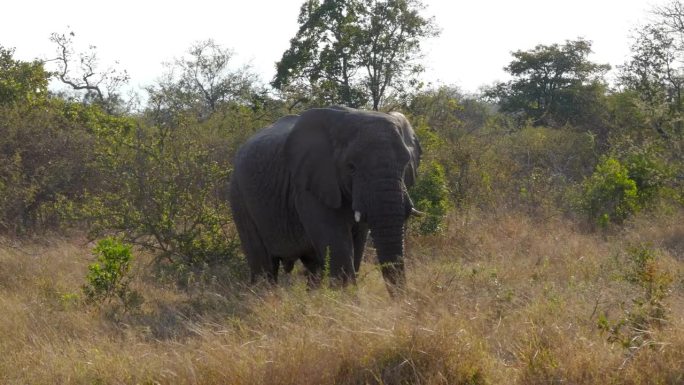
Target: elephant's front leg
331,236
360,235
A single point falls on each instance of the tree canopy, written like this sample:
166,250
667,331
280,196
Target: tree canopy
203,81
354,52
655,69
552,84
20,81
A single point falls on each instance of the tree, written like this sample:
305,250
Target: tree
655,70
21,81
354,52
671,17
553,85
655,75
202,82
80,71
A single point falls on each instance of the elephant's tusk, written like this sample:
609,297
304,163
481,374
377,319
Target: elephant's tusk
417,213
357,216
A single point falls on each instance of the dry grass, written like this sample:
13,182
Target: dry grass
496,300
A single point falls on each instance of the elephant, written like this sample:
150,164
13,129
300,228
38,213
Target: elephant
310,187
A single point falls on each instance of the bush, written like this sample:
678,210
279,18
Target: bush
431,196
108,277
448,125
648,172
609,194
165,190
46,156
535,166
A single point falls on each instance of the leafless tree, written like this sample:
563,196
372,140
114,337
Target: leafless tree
81,72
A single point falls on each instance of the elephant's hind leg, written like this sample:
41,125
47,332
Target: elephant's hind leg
261,265
313,270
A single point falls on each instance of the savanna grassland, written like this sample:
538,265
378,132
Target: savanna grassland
551,250
499,299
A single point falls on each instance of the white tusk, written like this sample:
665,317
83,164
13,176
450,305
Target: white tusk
357,216
417,213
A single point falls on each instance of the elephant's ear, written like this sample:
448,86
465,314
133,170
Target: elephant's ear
411,142
309,157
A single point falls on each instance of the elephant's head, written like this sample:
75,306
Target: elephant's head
363,161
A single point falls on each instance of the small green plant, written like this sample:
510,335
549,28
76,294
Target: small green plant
108,278
69,300
609,195
431,196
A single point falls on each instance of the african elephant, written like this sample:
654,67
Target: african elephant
310,187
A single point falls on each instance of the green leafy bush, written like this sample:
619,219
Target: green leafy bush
46,155
609,194
648,172
108,278
431,196
447,124
165,190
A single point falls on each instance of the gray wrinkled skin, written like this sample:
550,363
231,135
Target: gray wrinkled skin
311,187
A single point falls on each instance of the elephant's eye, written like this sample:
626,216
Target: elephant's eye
351,168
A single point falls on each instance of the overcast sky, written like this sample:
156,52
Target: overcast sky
476,41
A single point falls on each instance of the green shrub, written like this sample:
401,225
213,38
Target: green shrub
108,278
648,172
609,195
46,154
431,196
448,125
166,191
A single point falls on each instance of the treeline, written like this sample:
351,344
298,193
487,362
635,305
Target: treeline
555,140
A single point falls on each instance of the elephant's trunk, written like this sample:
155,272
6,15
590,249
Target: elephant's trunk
386,217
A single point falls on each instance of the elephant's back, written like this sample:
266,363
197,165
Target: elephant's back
264,147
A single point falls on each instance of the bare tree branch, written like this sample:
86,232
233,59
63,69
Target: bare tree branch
80,71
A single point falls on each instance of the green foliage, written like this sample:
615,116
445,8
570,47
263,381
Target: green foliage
654,74
44,153
109,278
21,82
46,156
554,85
450,126
627,114
165,177
625,183
649,173
609,194
353,52
166,191
529,169
431,196
537,165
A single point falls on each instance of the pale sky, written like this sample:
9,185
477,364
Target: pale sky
476,41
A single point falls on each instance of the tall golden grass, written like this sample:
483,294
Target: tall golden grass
497,299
